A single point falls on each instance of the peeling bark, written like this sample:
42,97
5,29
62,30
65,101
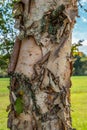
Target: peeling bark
41,68
15,55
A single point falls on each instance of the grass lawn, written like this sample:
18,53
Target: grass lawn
79,102
4,102
78,99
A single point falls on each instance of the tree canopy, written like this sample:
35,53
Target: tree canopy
7,32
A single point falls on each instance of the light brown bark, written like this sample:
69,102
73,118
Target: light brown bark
41,76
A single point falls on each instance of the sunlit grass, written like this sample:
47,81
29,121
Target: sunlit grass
79,102
4,102
4,82
79,84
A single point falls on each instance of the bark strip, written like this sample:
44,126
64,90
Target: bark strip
14,56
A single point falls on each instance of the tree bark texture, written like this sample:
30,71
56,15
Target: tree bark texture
40,66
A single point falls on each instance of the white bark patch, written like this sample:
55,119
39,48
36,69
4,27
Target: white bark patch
37,10
59,66
30,53
55,125
25,117
45,81
14,96
40,99
53,85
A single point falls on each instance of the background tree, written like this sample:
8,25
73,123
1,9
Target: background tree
7,33
79,60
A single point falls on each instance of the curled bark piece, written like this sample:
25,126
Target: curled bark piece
62,42
27,4
38,65
44,59
14,56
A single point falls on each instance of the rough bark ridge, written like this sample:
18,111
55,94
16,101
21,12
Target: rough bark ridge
40,67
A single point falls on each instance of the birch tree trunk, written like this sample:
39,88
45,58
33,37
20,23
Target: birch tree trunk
41,65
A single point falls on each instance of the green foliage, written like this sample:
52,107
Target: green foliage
77,65
6,26
3,62
7,32
74,49
19,105
80,64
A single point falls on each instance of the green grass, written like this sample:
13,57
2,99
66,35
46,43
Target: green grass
4,102
79,102
4,82
79,84
78,99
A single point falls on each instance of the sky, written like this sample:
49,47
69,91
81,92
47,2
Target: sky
80,28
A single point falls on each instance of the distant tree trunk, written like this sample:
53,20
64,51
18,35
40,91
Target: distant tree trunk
40,66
